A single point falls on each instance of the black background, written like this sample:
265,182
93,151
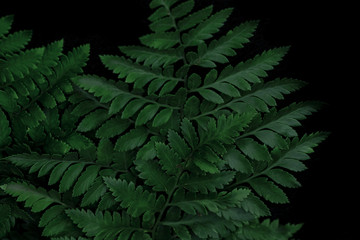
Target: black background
321,54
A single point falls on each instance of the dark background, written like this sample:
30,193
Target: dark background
321,54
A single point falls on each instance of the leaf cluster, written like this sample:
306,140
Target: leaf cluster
181,144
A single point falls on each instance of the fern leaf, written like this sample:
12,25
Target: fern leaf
298,151
204,227
240,76
85,180
178,144
14,42
206,29
283,121
36,198
151,57
161,40
252,204
93,120
194,18
106,225
206,183
68,170
19,65
135,138
253,149
267,230
238,161
136,200
135,73
219,50
55,222
182,9
195,203
268,190
168,158
112,127
189,133
5,24
94,193
151,171
283,178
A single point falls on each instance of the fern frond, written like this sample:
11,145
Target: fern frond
219,50
137,74
231,80
136,200
267,230
151,57
108,226
55,222
14,42
264,176
19,65
204,227
68,170
206,29
283,121
5,24
206,183
193,204
36,198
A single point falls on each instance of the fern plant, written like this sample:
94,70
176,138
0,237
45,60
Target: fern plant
182,144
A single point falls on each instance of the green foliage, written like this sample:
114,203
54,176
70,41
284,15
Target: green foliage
181,144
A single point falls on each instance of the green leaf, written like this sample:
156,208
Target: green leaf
162,117
85,180
283,178
146,114
14,42
5,24
194,18
135,138
113,127
99,86
192,107
160,40
208,182
182,9
206,166
268,190
103,225
238,161
218,50
271,138
36,198
151,57
93,120
70,176
207,28
168,158
211,96
178,144
132,107
135,200
253,149
189,133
